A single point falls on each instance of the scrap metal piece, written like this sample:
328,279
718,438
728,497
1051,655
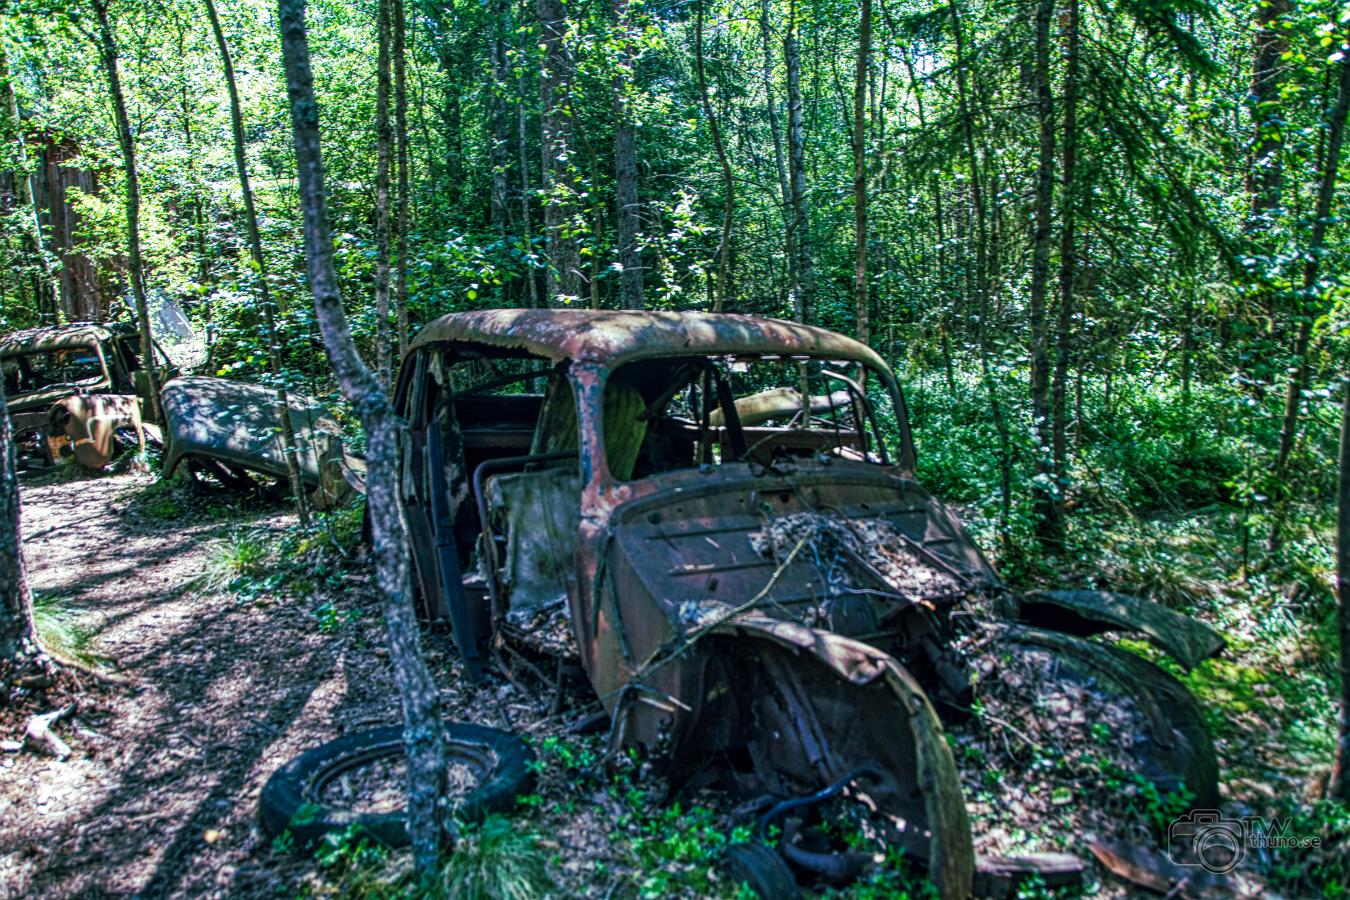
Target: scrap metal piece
234,423
1085,613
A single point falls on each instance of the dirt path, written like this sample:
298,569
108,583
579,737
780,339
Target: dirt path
159,798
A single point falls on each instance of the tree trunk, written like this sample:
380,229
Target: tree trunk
384,153
421,704
1067,260
401,151
1047,524
629,212
1265,169
862,308
1293,397
1339,787
16,604
269,307
728,184
779,158
47,287
500,150
804,285
107,45
564,278
982,280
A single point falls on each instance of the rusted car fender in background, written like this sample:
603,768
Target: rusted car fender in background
233,423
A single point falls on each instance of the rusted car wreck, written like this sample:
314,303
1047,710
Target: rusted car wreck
72,388
759,591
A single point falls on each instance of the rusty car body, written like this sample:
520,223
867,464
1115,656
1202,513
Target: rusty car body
72,388
228,429
611,472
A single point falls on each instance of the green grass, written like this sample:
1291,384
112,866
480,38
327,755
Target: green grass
499,859
63,630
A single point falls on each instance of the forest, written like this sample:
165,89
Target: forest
1101,244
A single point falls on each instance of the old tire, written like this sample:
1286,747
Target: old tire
763,870
291,799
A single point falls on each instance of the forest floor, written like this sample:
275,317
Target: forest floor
159,797
238,658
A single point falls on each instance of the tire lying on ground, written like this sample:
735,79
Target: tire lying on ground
293,798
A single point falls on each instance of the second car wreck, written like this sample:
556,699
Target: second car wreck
759,591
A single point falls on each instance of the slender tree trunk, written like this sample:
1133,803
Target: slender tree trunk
1293,397
48,291
804,286
16,603
982,280
269,306
1043,488
107,45
628,212
779,157
500,151
421,705
1265,170
384,153
1339,787
527,219
728,183
1068,252
862,307
401,217
564,281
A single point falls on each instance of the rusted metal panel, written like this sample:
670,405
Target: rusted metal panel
616,337
234,422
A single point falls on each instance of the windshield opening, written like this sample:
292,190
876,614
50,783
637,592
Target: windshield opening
74,367
668,414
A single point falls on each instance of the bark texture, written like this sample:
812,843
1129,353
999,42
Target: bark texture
16,605
417,690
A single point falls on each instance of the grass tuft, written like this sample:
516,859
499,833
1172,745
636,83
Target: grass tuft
62,630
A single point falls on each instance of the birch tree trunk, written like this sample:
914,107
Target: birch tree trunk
401,217
421,704
384,151
1068,250
804,284
269,306
629,210
728,183
1043,488
564,278
862,307
106,42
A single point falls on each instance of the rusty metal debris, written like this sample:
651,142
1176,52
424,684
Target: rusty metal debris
761,595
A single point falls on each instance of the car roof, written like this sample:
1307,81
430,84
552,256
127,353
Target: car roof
52,336
615,337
